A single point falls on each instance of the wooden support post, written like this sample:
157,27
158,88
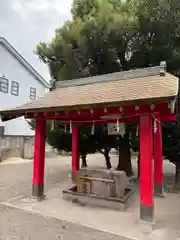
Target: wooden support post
75,150
158,160
39,155
146,173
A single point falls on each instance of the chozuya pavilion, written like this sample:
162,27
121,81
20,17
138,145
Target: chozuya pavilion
146,96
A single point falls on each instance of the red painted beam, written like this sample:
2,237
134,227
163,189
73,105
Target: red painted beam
130,119
97,113
168,118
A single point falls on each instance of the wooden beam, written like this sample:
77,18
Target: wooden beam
98,120
99,113
168,118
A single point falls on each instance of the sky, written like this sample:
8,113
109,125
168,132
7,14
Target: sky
24,23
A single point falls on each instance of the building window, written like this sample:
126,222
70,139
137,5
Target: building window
4,84
15,88
32,93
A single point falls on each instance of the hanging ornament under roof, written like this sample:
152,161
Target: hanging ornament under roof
52,125
117,126
70,127
137,131
93,129
65,128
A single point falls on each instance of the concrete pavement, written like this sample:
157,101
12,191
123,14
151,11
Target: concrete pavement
18,224
84,222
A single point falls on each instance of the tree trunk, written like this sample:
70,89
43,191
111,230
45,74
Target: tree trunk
84,160
130,171
177,176
107,157
124,162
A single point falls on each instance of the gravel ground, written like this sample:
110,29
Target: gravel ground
15,180
20,225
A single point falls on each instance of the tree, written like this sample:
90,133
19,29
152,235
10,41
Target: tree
112,35
158,33
92,44
106,36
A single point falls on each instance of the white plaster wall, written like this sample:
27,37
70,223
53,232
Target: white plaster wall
12,69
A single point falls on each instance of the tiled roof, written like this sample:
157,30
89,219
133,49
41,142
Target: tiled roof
150,87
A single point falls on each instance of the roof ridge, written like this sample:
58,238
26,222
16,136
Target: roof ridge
123,75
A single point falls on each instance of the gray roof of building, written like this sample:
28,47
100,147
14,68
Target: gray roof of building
23,61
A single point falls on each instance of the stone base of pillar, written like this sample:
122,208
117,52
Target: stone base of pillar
146,227
158,190
38,192
147,213
73,177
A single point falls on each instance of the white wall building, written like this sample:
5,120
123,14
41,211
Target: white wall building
19,84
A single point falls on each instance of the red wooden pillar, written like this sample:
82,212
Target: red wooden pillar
158,160
75,150
146,169
39,155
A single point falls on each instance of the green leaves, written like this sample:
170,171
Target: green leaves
158,22
83,8
91,43
111,35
